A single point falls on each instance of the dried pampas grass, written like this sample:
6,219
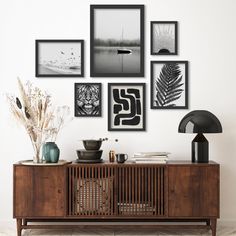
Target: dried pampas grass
33,110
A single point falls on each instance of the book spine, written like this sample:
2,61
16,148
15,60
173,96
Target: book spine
153,162
150,159
147,156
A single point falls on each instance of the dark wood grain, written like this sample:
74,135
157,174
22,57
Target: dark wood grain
23,191
49,191
39,191
193,191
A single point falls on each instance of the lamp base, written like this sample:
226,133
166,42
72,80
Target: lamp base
200,150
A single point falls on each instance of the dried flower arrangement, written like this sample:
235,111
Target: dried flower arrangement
34,111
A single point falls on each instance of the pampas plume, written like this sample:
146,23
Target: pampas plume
37,115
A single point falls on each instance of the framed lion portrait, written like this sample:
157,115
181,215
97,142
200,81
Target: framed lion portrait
88,100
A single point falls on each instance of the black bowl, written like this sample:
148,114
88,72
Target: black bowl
89,154
92,144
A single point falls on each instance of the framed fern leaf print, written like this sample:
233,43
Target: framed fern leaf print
169,85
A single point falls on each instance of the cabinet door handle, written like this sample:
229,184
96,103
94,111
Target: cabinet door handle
59,190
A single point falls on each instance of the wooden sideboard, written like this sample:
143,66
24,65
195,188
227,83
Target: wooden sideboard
111,192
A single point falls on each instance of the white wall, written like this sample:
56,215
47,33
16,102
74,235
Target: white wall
207,39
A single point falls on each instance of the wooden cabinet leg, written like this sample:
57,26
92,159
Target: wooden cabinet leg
208,222
213,226
19,226
24,222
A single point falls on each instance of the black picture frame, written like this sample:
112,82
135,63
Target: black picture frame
106,73
139,109
164,50
51,73
163,98
87,112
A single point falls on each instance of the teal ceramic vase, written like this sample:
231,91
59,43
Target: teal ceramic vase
51,152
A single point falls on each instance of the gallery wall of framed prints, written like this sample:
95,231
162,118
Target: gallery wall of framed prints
117,52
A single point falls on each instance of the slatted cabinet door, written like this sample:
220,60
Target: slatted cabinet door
39,191
91,190
142,190
194,190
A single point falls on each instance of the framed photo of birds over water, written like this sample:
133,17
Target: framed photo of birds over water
164,38
88,99
169,84
59,58
117,40
126,107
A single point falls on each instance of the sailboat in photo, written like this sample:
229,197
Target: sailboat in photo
123,50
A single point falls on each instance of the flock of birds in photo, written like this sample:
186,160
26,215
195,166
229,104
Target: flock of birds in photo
65,60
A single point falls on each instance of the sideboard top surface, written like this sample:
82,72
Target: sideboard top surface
129,163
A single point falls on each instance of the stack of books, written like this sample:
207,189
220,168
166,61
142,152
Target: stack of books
151,157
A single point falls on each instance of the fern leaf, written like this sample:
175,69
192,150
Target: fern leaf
168,85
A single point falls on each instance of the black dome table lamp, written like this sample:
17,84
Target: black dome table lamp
200,121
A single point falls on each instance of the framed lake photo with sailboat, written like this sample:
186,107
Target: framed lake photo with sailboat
59,58
117,41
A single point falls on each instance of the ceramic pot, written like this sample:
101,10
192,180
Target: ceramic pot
89,154
92,144
51,152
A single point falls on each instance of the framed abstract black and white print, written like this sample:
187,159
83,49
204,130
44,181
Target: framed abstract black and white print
164,38
88,99
117,40
59,58
126,107
169,84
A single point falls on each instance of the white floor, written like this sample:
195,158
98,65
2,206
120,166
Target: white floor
222,230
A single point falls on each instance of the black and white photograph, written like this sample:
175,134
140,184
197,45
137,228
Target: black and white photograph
117,40
59,58
169,85
88,99
164,38
126,107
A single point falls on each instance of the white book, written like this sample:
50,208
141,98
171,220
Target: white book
151,162
151,159
151,153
